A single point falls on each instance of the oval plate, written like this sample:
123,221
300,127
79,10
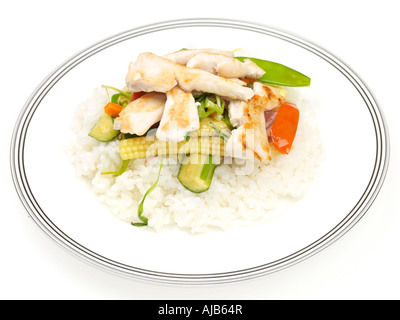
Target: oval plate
351,176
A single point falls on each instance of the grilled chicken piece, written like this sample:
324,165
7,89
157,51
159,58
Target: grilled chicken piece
151,73
225,66
271,98
250,139
139,115
203,81
180,116
183,56
236,111
154,73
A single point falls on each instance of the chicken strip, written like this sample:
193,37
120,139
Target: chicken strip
183,56
225,66
180,116
154,73
139,115
151,73
271,98
236,111
250,139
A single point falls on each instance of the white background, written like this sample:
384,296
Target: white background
37,36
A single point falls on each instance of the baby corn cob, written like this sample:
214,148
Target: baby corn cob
134,148
214,146
147,146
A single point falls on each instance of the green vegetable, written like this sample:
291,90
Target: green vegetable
140,208
115,97
187,136
126,94
223,135
208,169
225,118
210,103
196,172
278,74
219,105
121,170
103,129
120,99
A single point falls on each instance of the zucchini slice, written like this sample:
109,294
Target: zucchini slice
103,129
196,172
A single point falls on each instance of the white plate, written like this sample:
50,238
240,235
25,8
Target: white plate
353,132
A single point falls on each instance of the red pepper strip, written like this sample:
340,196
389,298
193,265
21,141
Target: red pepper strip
284,128
137,95
112,109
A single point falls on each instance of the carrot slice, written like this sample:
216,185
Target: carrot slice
284,128
112,109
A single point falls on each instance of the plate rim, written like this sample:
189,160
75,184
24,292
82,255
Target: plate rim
29,202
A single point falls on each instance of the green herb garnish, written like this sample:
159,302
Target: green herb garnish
222,135
140,208
208,106
121,170
126,94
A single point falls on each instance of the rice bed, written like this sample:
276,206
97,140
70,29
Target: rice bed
233,198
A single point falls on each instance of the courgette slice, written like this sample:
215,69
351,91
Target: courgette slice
103,129
196,172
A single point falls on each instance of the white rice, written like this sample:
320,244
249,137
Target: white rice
233,199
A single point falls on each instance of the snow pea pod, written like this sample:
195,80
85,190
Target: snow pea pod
279,74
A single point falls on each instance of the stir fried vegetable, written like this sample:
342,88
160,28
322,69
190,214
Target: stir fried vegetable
210,104
144,147
196,173
283,130
112,109
103,129
278,74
